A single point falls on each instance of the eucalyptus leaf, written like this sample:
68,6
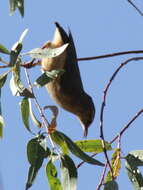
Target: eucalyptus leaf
32,173
16,4
60,142
16,49
33,117
52,176
3,78
16,85
115,165
76,150
4,50
24,107
112,185
93,146
47,77
1,120
35,154
133,160
68,173
39,53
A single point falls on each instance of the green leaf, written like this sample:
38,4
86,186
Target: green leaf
112,185
68,173
93,146
60,142
16,85
53,179
76,150
133,160
47,77
1,120
16,4
3,78
115,164
1,126
33,117
24,107
35,154
20,5
16,49
4,50
32,173
39,53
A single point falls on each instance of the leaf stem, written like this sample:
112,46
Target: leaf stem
44,120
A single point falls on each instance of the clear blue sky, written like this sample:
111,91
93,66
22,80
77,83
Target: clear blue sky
98,27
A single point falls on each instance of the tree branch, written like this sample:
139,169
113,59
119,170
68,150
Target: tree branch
137,9
127,126
104,104
110,55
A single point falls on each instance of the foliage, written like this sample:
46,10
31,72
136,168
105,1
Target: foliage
61,149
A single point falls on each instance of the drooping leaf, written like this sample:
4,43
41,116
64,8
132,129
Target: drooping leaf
35,154
76,150
16,4
115,164
52,176
24,107
60,142
33,117
22,36
1,119
16,49
3,78
133,160
4,50
68,173
47,77
32,173
39,53
16,85
93,146
111,185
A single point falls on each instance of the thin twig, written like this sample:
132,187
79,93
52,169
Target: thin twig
36,101
4,66
30,64
105,94
137,9
110,55
103,139
102,177
104,104
127,126
81,163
